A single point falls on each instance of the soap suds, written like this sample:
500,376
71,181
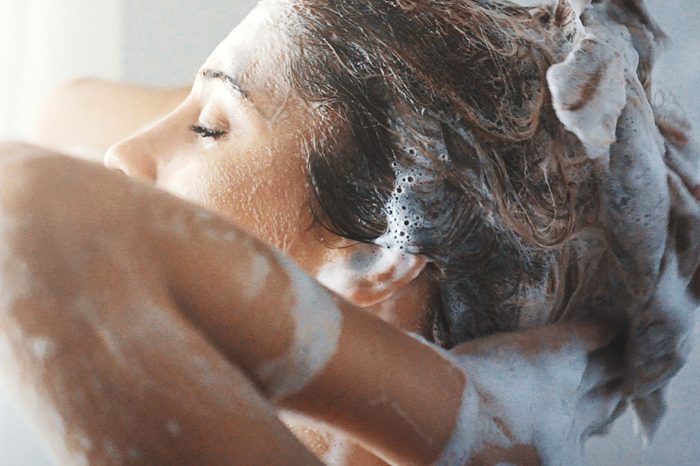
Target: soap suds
318,323
134,454
460,446
173,428
43,347
415,184
588,93
84,441
257,277
601,93
369,274
515,401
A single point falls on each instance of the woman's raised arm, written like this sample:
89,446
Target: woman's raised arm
139,326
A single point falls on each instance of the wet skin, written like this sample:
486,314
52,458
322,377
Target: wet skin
98,246
155,335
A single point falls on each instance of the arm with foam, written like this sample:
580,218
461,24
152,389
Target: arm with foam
137,319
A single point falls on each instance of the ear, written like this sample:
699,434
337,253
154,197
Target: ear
366,274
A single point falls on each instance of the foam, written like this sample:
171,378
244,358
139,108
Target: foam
358,273
533,303
633,182
173,428
338,451
591,63
338,276
318,323
256,279
404,215
460,446
682,151
43,348
523,406
84,441
414,184
578,6
552,389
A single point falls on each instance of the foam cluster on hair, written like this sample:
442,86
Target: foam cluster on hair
418,161
404,214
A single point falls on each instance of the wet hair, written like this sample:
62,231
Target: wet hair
436,136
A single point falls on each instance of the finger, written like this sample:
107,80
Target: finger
599,407
650,410
655,374
605,365
686,222
603,428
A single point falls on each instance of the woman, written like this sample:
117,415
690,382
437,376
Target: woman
413,159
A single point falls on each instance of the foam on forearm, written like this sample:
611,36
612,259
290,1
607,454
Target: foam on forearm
318,323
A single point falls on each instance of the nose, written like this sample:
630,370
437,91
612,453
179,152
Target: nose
132,158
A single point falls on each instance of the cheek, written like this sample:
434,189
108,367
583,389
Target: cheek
261,193
186,179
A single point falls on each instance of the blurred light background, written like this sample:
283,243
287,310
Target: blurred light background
162,42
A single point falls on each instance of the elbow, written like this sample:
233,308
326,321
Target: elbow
36,207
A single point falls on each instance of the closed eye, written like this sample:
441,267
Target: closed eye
214,133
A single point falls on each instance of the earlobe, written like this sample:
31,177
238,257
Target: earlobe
366,274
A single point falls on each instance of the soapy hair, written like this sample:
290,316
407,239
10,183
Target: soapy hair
436,136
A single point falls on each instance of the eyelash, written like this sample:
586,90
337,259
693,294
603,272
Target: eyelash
213,133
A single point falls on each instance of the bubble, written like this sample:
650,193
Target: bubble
413,175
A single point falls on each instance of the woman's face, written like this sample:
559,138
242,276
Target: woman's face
235,145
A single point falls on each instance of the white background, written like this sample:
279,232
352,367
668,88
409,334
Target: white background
163,42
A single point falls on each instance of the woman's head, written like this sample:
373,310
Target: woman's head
418,132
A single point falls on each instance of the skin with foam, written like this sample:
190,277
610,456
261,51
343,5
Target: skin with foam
170,168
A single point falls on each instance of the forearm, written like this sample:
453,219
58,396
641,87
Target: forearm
306,349
190,300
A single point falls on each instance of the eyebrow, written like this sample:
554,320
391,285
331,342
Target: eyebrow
221,76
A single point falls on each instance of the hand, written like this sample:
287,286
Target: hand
543,391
